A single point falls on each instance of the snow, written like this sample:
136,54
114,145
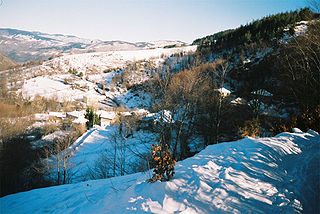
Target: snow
253,175
48,139
300,29
26,46
61,115
76,114
62,86
164,115
41,117
80,120
238,100
51,87
106,114
99,61
223,91
262,92
100,141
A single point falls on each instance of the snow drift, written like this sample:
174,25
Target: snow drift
254,175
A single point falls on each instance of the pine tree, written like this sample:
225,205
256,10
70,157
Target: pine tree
92,117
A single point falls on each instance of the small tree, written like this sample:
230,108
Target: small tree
164,164
92,118
251,128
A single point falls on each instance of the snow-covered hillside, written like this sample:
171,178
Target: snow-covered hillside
113,59
98,147
254,175
96,68
23,46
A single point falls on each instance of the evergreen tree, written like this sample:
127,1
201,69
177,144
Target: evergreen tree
92,117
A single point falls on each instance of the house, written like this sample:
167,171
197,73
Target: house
57,116
107,117
41,117
77,116
223,92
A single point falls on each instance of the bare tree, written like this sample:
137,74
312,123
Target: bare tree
221,71
58,158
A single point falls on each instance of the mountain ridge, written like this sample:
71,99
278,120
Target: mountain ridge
22,46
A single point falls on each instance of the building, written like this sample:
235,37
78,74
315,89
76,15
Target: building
223,91
77,116
57,116
107,117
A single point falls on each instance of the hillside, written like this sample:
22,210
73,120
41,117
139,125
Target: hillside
266,29
262,175
6,63
23,46
94,109
113,70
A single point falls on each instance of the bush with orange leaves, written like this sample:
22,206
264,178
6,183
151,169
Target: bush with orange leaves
163,163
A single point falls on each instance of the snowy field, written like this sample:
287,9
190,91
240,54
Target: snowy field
113,59
253,175
52,87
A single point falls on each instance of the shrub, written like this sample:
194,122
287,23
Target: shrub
73,71
49,129
163,163
250,128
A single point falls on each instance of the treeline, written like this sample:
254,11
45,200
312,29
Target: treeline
291,73
265,29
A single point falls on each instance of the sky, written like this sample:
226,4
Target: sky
137,20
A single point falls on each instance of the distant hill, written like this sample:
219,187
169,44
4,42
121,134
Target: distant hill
6,63
23,46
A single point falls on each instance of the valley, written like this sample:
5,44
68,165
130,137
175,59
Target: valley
226,124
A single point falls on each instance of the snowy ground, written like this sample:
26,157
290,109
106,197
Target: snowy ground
113,59
100,142
64,86
253,175
51,87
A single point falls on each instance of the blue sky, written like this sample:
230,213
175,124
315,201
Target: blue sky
137,20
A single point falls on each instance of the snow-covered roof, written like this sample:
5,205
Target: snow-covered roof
141,112
126,113
41,116
223,91
76,114
238,100
80,120
57,114
107,114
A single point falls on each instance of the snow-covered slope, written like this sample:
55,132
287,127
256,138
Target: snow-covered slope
253,175
23,46
99,145
100,68
113,59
